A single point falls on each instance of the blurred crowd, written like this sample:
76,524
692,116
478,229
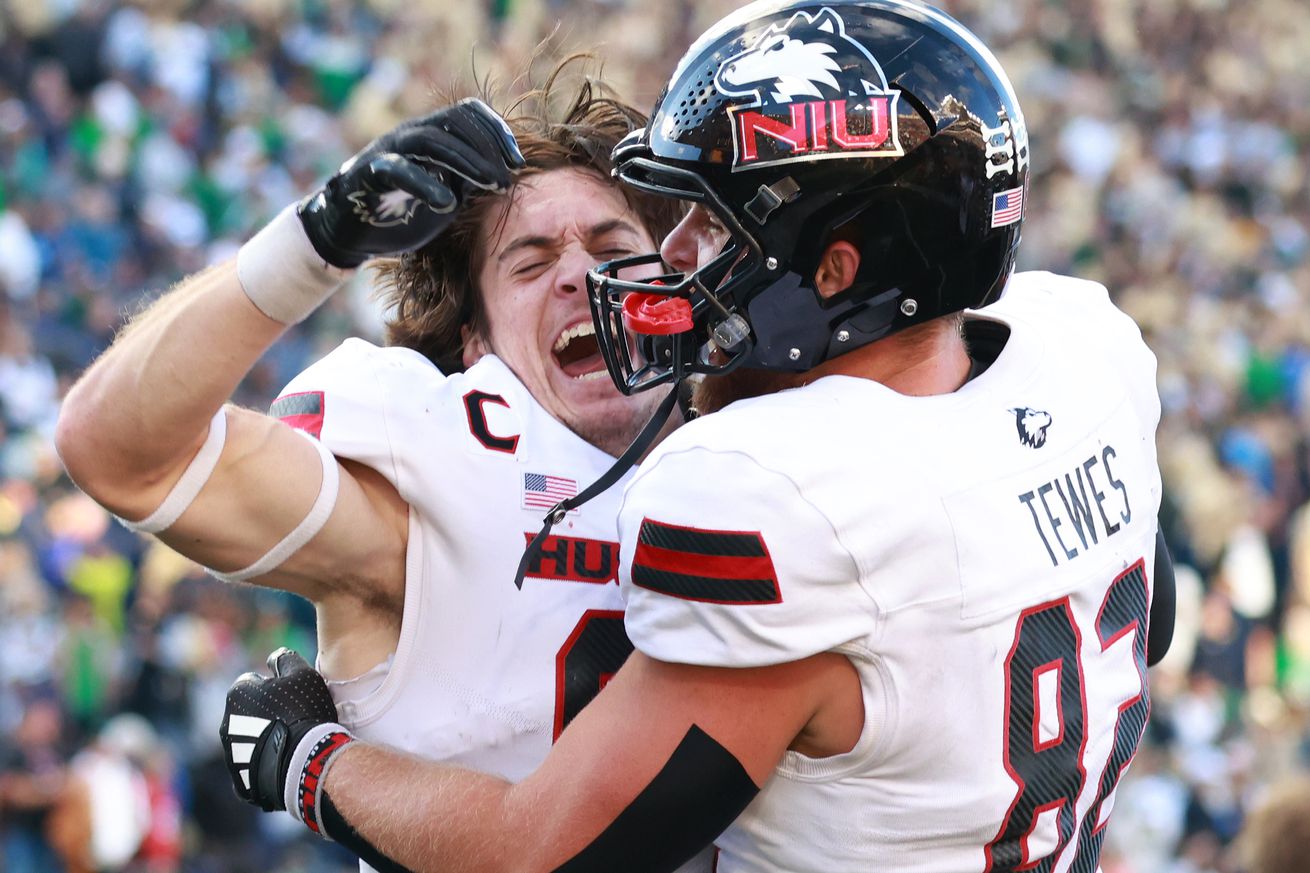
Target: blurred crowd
141,141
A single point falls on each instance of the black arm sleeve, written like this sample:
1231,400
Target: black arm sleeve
336,826
1160,631
697,794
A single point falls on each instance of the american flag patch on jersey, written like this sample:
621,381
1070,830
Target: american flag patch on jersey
1007,207
302,411
712,566
542,492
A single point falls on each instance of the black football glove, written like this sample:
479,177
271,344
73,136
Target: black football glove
273,726
403,188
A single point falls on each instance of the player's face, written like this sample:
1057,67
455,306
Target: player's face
696,241
554,228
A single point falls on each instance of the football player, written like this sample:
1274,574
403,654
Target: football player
395,493
894,600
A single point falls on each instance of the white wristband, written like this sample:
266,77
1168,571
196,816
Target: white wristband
302,793
282,274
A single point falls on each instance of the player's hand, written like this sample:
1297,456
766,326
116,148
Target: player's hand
403,188
265,722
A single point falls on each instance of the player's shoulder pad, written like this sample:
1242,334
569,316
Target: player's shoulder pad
356,361
727,562
352,399
355,366
1079,318
1045,294
1077,308
1036,288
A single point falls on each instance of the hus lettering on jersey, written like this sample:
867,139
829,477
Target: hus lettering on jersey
815,92
574,559
1075,511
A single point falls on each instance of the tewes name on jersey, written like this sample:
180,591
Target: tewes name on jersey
1083,499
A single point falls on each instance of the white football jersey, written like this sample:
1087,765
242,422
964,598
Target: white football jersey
485,675
984,558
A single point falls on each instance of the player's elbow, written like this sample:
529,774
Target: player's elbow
76,444
86,449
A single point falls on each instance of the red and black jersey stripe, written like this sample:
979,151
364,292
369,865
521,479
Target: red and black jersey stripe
713,566
302,411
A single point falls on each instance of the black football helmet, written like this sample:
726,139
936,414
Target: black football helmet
885,122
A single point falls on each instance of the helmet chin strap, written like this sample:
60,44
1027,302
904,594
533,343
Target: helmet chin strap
624,463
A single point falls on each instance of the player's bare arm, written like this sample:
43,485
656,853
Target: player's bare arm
696,746
145,430
139,416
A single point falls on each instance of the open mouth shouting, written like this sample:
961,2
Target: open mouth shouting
578,354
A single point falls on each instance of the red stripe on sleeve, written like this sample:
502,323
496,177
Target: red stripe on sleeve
713,566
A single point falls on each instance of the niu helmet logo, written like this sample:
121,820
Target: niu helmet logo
815,93
1032,425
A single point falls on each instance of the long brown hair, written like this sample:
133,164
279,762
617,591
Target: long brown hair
432,292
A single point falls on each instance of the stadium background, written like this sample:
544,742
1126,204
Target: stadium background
140,142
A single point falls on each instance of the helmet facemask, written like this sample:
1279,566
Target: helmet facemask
636,333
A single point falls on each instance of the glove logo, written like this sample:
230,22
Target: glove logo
370,207
850,110
246,727
385,209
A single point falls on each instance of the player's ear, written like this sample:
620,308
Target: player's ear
837,268
474,346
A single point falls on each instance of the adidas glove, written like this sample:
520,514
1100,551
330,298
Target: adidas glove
396,195
403,188
279,735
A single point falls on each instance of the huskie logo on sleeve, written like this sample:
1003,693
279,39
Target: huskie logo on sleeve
1032,425
815,93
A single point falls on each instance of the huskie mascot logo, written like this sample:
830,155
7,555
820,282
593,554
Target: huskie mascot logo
1032,425
815,93
384,209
